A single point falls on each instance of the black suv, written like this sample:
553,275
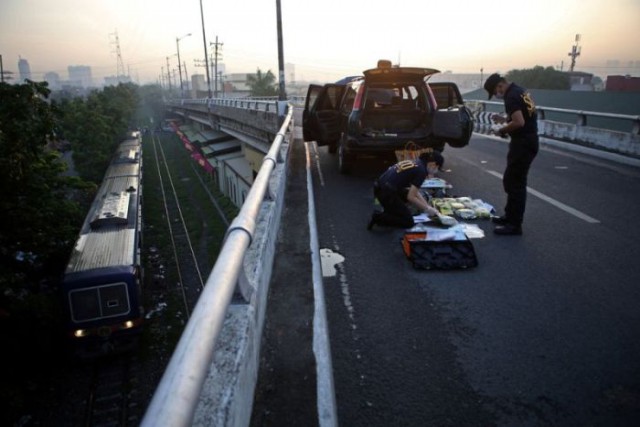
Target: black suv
383,111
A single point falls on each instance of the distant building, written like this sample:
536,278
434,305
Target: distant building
236,85
623,84
80,75
290,73
581,81
24,69
116,80
198,82
53,79
198,85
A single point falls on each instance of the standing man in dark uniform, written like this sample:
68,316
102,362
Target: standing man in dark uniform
522,126
391,190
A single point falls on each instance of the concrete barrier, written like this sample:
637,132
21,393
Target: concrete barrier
227,394
626,143
211,377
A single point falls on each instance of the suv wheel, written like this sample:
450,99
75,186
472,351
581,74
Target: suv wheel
345,160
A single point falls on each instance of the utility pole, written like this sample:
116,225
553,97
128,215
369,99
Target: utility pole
282,94
186,76
179,66
575,52
168,74
216,56
206,54
1,71
221,77
481,76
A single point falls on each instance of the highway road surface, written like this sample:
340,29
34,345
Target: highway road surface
544,332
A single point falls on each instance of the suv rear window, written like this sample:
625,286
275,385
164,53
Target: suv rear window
395,97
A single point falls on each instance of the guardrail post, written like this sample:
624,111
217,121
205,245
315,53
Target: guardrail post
541,113
282,111
582,119
636,127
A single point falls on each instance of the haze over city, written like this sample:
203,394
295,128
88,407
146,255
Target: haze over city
325,40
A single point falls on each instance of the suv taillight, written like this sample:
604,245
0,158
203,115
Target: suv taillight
357,103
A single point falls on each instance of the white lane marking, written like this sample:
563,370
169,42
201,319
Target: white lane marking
552,201
327,408
346,293
317,157
329,260
561,167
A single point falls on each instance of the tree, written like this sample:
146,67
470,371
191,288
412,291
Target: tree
539,77
40,214
96,125
262,84
39,221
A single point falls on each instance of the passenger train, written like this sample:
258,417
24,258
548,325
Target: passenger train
102,282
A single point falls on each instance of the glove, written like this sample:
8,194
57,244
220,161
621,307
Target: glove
496,130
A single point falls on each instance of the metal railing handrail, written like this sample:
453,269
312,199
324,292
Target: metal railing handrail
259,103
581,114
176,396
568,111
262,104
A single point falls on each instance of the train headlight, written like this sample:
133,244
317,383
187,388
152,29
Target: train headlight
79,333
128,324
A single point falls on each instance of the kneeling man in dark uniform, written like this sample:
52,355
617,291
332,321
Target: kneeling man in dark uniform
391,190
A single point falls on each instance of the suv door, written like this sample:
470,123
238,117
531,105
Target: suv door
447,95
452,121
321,120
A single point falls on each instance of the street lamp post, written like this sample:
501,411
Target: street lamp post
206,59
282,94
179,66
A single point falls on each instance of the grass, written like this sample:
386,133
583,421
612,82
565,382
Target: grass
206,231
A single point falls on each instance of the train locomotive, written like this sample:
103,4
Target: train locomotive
101,287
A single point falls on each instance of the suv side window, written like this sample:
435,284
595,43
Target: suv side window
349,98
333,98
446,95
412,92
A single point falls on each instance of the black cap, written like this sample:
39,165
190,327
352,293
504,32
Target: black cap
433,156
491,83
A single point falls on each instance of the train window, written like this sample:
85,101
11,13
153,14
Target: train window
84,305
99,302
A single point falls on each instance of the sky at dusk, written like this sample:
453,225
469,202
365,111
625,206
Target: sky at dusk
325,40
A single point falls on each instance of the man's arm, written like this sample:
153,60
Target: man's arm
517,121
415,198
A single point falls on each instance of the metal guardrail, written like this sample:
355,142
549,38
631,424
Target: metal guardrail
259,103
267,105
581,114
176,397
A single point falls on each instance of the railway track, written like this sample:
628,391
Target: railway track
189,274
111,401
